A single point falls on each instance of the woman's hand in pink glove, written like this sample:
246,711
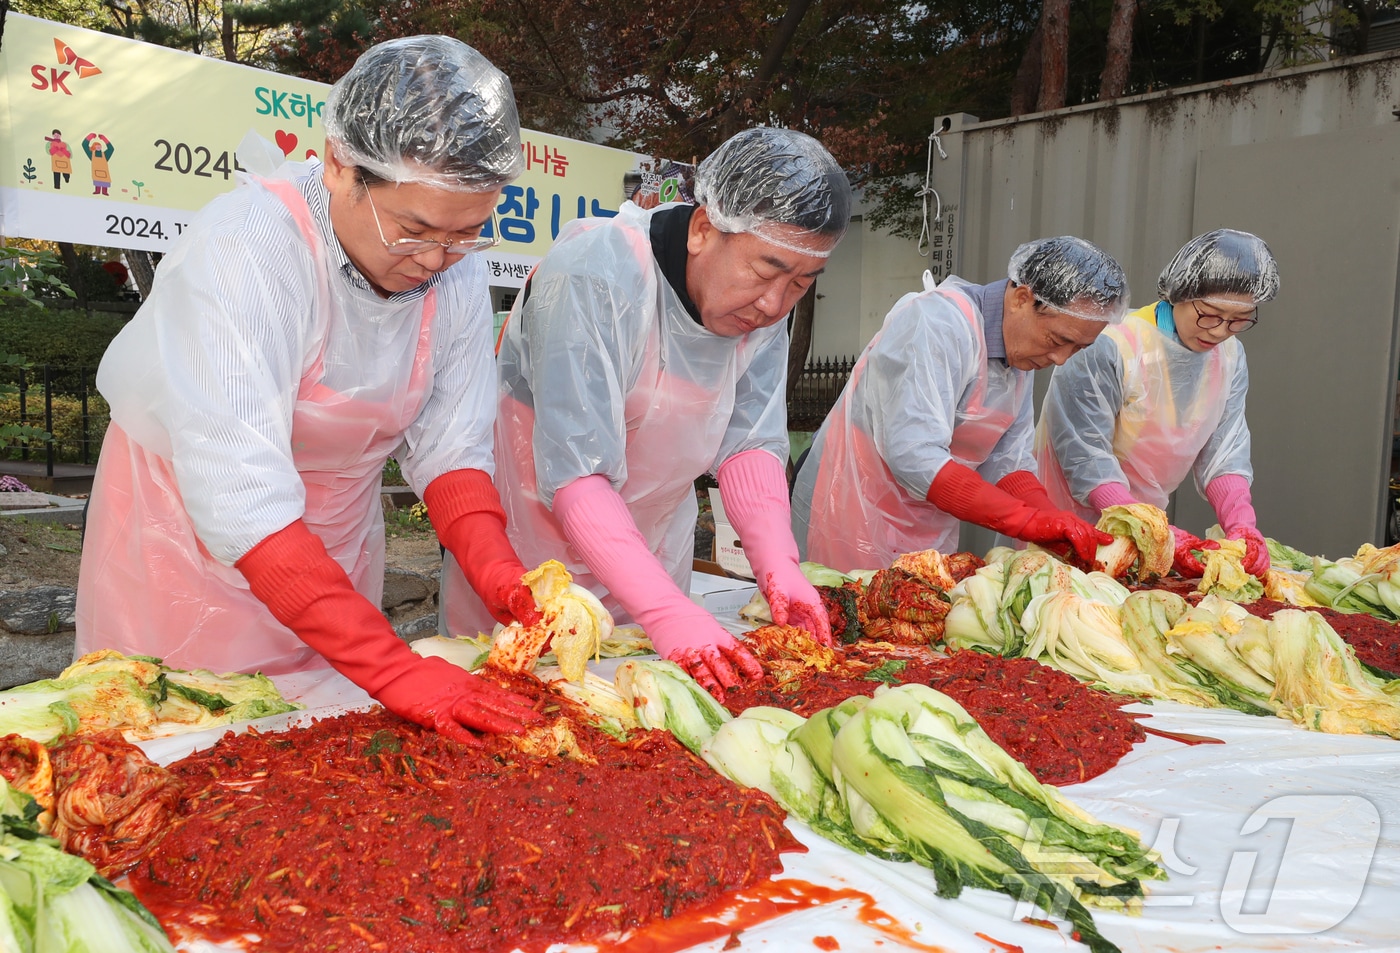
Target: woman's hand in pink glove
1230,496
1184,561
792,600
1256,553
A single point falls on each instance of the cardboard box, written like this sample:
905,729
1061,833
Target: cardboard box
729,552
720,595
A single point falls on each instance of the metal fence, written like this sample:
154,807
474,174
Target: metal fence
61,401
814,393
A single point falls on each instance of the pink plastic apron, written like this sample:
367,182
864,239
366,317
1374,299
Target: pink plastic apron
674,431
1156,442
861,517
151,587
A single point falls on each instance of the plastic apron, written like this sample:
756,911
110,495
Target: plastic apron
675,428
158,591
861,518
1156,437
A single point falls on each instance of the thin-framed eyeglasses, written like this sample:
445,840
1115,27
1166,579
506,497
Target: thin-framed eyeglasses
1208,322
408,247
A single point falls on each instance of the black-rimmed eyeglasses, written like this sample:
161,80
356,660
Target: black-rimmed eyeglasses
1207,321
407,247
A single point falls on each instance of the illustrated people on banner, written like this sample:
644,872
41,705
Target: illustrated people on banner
100,155
60,158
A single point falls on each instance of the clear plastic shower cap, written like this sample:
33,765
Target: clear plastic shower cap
429,110
778,184
1072,276
1219,263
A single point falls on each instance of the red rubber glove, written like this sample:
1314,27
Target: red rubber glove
597,523
1256,552
753,485
307,591
1184,561
959,491
465,509
1229,496
1026,487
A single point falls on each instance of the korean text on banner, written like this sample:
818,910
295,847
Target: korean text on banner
110,141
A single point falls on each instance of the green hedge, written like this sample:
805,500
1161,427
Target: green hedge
66,338
67,424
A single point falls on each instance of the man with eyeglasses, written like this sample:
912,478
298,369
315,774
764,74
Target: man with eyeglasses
934,426
651,348
1163,396
308,325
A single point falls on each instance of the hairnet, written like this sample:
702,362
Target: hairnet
426,109
1222,262
778,184
1072,276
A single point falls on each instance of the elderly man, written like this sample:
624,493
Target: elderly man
649,349
935,424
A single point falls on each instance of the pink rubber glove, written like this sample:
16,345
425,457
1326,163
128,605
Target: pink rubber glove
596,521
1184,561
753,485
1105,495
1230,498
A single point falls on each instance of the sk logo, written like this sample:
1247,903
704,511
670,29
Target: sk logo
67,57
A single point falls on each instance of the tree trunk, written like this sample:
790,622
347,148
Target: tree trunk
1198,72
1025,89
739,113
1054,62
75,275
226,35
1114,79
143,269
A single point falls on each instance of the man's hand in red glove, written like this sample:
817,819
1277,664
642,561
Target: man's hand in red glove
437,694
1054,527
1184,559
1026,487
959,491
465,509
307,591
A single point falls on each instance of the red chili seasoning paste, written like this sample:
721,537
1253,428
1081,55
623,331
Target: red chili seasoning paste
1376,641
365,832
1062,730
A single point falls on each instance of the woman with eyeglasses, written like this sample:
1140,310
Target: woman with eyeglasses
306,326
1163,396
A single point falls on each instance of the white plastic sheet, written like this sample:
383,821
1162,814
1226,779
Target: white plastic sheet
1281,839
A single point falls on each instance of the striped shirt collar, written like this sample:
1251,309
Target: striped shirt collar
990,300
313,189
